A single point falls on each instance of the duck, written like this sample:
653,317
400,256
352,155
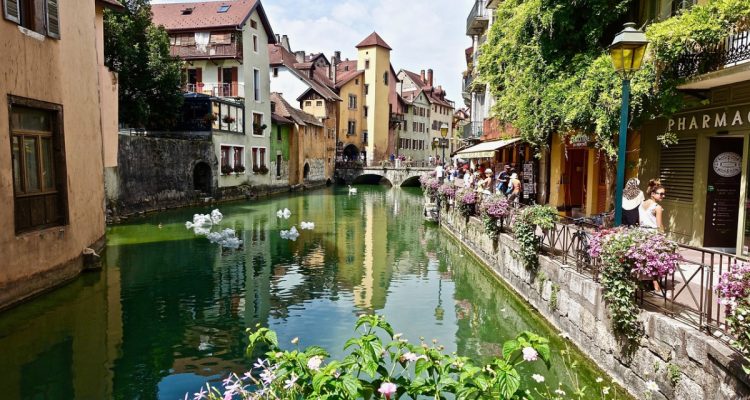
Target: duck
352,190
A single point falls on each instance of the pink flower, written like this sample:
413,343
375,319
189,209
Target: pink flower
387,389
529,354
314,363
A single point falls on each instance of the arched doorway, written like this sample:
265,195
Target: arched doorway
351,153
202,178
306,171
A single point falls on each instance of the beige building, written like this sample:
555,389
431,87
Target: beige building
58,110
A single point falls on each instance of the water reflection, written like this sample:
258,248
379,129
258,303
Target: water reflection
170,310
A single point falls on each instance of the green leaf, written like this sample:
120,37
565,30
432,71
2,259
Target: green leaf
508,381
351,385
421,366
509,347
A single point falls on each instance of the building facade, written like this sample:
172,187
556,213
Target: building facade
58,110
414,140
224,45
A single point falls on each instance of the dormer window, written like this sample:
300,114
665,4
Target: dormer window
187,11
223,8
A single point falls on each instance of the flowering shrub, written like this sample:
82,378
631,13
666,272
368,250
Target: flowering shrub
493,209
466,200
430,184
734,293
388,369
446,191
627,255
524,231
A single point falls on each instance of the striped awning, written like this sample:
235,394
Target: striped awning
486,149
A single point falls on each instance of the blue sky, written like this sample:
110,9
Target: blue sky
423,33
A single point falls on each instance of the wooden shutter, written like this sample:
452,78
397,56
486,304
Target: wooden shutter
677,169
12,10
234,81
53,19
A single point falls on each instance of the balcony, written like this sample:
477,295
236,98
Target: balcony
478,19
212,51
397,120
217,89
717,65
473,130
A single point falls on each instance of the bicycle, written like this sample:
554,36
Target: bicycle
581,239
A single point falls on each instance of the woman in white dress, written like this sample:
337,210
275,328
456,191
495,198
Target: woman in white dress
650,211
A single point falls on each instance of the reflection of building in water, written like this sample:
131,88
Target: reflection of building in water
54,347
370,294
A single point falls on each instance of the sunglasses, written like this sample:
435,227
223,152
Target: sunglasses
662,194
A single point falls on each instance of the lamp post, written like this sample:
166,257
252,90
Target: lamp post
627,51
443,133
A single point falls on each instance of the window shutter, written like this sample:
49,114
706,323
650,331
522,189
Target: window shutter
677,169
53,19
12,11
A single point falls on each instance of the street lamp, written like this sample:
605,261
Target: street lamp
443,133
627,51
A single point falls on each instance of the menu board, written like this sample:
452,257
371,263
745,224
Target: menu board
723,192
528,180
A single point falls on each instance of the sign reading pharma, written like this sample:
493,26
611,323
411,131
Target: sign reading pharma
711,119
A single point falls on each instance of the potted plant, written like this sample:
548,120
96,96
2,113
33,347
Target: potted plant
493,210
256,169
263,170
258,129
226,169
239,169
466,201
210,118
228,119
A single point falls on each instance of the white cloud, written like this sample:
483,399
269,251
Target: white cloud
423,33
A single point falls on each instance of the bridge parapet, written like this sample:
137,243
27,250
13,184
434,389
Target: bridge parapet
394,176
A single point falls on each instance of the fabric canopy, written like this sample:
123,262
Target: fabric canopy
485,149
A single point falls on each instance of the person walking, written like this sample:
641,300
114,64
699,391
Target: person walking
485,185
514,188
439,172
502,180
632,198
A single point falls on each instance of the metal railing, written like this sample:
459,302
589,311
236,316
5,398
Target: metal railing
697,60
478,18
687,295
232,50
217,89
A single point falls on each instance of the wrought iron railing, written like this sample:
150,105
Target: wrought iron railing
697,59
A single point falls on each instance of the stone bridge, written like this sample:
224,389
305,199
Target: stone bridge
403,176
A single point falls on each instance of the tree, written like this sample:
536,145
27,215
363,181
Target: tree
149,78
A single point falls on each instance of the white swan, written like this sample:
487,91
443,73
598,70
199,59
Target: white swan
352,190
307,225
285,213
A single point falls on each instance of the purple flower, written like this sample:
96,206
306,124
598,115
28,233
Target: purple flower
387,389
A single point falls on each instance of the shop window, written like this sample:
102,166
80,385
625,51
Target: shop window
38,164
677,169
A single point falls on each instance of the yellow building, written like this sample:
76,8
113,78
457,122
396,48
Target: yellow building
352,129
374,58
58,118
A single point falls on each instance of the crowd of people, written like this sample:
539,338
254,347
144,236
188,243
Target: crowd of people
507,182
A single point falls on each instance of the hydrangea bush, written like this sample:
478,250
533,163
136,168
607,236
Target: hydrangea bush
494,208
385,369
430,184
734,293
627,255
446,192
466,200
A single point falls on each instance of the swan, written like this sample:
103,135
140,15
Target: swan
352,190
307,225
285,213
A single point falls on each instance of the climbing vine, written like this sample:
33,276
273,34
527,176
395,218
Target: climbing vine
524,231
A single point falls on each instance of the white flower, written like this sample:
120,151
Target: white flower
529,354
560,392
411,357
651,386
537,378
397,336
295,340
605,390
314,363
599,380
290,382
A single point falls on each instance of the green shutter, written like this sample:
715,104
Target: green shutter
53,19
12,11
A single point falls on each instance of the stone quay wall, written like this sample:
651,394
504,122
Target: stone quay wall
684,362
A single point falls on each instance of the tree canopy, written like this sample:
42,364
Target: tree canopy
149,78
547,64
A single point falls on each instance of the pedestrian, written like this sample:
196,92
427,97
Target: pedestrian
439,172
650,216
430,159
632,198
393,158
514,188
502,179
485,185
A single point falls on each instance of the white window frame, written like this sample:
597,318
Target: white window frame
262,162
256,43
256,89
252,121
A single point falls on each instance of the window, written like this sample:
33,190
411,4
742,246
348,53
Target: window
262,157
351,128
38,165
41,16
226,152
367,89
356,81
256,84
308,103
255,43
255,158
223,8
239,157
367,64
385,78
275,72
253,24
319,103
365,107
352,102
258,127
278,133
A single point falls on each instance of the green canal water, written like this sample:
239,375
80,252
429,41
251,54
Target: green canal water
168,312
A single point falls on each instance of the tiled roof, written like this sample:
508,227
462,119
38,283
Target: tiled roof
205,15
345,77
280,120
279,56
374,40
432,96
113,4
285,110
416,78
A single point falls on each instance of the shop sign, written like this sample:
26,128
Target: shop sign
579,140
727,164
722,118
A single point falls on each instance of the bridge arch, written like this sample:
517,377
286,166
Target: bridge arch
371,179
412,181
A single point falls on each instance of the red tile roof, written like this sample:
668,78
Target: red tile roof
285,110
432,92
374,40
205,15
279,56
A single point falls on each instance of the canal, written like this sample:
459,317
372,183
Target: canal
168,312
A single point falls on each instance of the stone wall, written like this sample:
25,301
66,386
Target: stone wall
703,367
157,173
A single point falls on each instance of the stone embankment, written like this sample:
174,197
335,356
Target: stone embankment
684,362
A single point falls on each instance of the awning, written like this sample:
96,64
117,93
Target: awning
485,149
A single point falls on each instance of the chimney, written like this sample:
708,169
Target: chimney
421,74
337,57
429,77
300,55
311,71
285,42
278,38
